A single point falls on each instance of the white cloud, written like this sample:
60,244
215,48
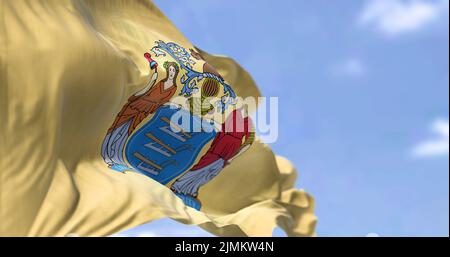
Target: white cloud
372,235
163,228
437,146
119,235
140,234
148,230
147,234
352,67
393,17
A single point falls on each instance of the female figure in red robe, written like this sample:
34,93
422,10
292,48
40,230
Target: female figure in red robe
227,144
138,107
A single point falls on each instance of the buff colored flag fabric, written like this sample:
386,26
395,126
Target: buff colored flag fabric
83,85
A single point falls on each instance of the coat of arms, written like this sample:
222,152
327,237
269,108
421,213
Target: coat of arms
145,138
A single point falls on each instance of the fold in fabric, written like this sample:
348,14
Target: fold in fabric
66,69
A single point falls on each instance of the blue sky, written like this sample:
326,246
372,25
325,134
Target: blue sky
363,97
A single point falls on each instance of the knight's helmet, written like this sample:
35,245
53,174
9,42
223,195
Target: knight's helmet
208,89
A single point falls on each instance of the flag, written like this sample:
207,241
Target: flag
88,145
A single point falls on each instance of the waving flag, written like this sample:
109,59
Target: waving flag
90,143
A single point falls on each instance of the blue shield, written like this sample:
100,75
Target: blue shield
162,149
